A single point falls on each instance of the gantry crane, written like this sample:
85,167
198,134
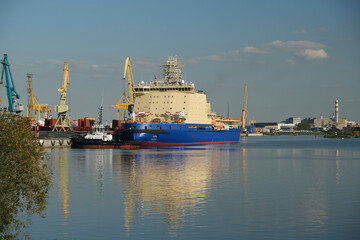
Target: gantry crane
33,104
13,96
63,122
125,102
243,117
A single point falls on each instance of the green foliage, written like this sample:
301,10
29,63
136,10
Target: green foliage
303,126
24,176
341,134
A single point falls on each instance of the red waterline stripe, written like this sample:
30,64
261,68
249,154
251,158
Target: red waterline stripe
124,146
151,144
96,146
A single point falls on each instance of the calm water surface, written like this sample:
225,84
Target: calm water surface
288,187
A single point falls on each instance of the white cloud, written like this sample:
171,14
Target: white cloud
54,61
312,54
216,58
308,50
250,49
76,63
112,67
276,43
234,55
189,61
291,61
234,52
80,65
22,65
295,45
147,63
95,67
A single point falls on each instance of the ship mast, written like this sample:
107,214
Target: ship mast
172,71
243,117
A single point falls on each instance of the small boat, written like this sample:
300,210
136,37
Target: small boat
98,138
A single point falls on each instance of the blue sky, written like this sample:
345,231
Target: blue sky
297,57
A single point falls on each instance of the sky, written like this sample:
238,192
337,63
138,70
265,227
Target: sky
297,57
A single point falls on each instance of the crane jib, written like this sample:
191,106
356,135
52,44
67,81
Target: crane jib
10,87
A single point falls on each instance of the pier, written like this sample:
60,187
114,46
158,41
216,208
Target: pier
57,142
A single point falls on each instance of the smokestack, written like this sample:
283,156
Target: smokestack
336,111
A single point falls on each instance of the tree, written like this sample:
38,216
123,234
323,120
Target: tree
25,177
303,126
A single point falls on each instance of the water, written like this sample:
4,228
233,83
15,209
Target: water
288,187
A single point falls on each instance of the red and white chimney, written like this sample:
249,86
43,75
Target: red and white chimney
336,111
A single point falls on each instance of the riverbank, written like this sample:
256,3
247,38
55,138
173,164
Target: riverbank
341,135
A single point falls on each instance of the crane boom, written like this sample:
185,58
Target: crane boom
130,77
12,94
30,96
65,81
33,103
128,102
243,118
63,122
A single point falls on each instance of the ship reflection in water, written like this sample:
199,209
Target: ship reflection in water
261,188
168,184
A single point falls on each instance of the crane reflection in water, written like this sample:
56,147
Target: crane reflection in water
63,175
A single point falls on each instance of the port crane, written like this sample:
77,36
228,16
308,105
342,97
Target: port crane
12,94
243,117
33,104
63,122
125,102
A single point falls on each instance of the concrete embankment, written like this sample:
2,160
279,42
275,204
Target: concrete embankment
55,139
59,142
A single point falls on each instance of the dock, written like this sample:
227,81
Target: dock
55,139
58,142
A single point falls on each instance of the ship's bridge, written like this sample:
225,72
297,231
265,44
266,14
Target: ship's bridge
171,94
143,89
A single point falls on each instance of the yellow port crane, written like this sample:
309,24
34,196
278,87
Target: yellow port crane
125,102
63,122
33,104
243,117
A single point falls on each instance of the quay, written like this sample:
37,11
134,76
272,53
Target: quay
56,142
55,139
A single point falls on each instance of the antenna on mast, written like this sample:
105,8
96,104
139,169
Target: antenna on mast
243,117
101,108
228,111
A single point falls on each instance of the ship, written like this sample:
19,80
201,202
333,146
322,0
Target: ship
98,138
170,111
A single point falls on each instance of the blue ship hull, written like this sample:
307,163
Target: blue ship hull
164,134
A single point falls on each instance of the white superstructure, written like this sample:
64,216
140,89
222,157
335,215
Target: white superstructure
171,99
98,133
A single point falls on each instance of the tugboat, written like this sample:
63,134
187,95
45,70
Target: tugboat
98,138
